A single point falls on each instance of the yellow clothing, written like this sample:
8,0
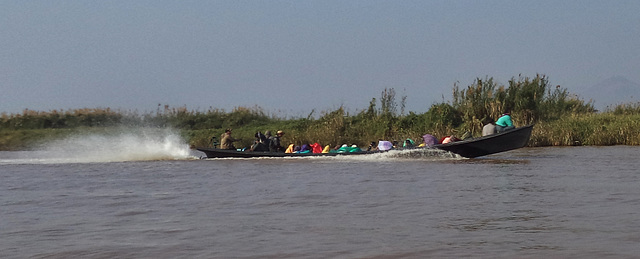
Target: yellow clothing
326,149
289,149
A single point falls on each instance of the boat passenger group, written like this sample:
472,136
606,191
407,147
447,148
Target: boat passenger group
272,143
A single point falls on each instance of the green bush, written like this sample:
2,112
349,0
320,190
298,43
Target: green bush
560,117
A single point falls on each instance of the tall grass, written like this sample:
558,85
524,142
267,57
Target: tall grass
626,109
560,117
179,117
594,129
530,100
56,119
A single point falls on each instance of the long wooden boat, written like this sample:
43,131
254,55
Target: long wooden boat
471,148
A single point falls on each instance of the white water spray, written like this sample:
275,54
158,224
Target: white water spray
424,154
126,144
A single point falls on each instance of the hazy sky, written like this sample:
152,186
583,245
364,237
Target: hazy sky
290,57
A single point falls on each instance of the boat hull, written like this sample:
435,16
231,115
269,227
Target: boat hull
491,144
229,153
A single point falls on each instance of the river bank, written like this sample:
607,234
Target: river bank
561,119
603,129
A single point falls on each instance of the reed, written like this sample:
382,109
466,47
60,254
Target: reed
561,119
593,129
530,100
626,109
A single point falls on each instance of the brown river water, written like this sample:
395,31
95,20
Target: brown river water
571,202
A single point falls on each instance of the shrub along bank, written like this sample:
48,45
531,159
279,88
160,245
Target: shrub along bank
560,118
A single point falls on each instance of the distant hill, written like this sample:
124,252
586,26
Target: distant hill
613,91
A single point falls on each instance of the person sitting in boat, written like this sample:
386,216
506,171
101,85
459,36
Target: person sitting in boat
449,139
305,148
372,147
214,142
274,142
504,123
384,145
349,149
260,144
226,141
290,149
316,148
408,143
428,140
268,138
489,127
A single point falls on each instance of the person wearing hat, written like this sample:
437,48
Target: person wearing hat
275,145
504,123
226,141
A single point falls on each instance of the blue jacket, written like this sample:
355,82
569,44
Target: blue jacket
504,121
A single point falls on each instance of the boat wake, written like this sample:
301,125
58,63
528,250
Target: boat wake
138,144
430,154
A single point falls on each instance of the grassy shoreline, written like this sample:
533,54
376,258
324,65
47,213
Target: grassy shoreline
602,129
561,119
